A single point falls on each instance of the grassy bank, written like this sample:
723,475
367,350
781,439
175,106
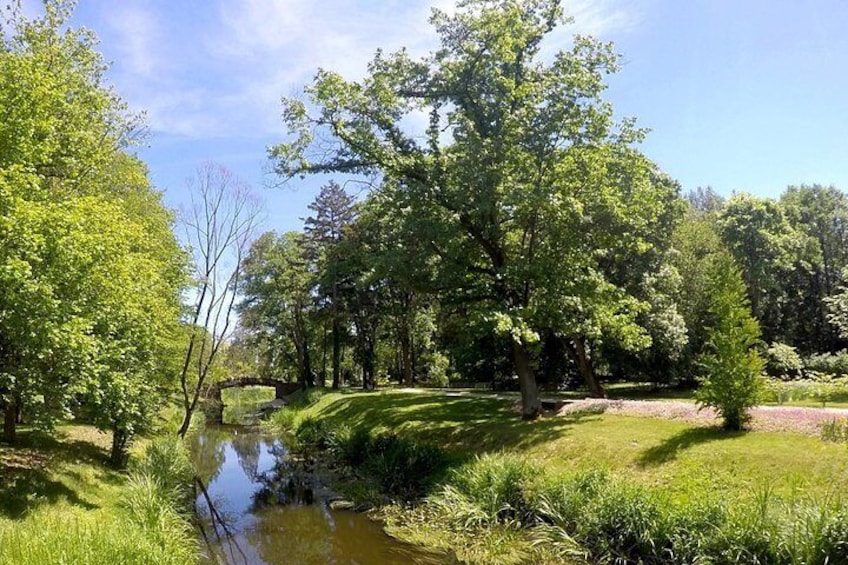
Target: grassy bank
659,490
61,503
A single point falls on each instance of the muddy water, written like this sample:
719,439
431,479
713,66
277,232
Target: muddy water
263,511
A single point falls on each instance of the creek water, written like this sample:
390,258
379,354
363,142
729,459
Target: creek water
256,508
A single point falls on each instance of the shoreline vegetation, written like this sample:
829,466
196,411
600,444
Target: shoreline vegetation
462,474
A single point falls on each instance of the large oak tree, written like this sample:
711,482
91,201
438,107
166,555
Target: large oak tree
529,197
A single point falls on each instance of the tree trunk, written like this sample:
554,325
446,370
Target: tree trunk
10,421
531,405
337,350
186,422
323,382
119,456
406,355
308,377
587,371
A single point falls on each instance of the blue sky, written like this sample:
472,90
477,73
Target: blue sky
747,95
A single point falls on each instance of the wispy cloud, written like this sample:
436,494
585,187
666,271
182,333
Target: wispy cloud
223,74
139,34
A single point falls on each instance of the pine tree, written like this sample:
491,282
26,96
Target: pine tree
334,210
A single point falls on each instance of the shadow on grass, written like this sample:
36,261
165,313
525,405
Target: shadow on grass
670,448
28,469
460,424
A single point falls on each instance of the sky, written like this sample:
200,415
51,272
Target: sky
740,95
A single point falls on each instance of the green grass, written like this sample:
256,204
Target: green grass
667,484
667,454
242,402
61,503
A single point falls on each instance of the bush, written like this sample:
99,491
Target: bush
783,361
834,364
438,369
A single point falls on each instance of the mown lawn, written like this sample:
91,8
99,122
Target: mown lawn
677,457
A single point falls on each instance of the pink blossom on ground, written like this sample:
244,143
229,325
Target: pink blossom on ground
763,418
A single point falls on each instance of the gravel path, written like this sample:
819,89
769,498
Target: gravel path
763,418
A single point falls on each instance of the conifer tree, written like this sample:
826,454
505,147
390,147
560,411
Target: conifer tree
731,364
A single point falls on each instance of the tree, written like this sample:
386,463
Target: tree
770,252
277,308
91,272
821,213
219,227
524,192
696,242
731,365
334,212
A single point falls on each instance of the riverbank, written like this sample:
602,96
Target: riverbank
61,503
645,484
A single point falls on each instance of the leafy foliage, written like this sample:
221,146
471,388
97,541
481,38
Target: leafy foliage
91,273
732,366
532,189
783,361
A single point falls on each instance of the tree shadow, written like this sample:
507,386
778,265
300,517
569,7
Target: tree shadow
28,472
670,448
459,423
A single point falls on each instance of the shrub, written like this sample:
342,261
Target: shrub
783,361
835,364
835,430
438,368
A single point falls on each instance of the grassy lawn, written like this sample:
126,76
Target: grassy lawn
67,469
243,402
61,503
674,456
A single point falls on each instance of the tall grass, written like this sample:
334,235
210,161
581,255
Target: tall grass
598,517
397,467
148,524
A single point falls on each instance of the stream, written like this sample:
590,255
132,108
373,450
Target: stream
255,507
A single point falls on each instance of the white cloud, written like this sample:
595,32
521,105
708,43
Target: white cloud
224,76
139,36
601,17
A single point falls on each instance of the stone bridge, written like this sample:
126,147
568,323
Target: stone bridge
214,408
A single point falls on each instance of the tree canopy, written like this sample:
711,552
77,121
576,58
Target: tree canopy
528,195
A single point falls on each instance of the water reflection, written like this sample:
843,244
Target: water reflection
242,478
